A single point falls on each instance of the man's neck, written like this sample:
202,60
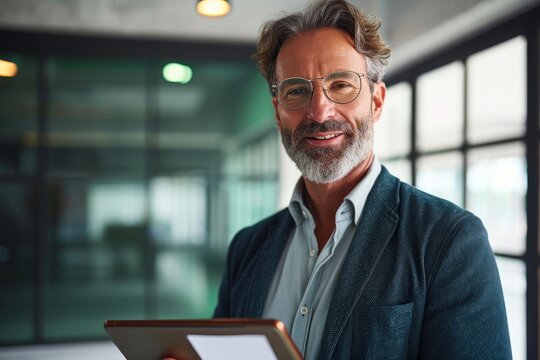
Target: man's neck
323,200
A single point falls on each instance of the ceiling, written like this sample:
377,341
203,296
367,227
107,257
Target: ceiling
159,18
412,27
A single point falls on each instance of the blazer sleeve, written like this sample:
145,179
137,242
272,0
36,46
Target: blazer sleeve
465,316
223,307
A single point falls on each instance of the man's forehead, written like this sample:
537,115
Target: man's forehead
318,40
318,52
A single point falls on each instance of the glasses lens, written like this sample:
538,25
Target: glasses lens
342,87
294,93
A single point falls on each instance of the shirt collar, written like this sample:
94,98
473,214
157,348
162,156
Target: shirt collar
359,194
357,197
297,208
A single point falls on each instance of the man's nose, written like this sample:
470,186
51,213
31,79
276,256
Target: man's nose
320,107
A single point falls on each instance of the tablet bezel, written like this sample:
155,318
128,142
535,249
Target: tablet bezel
156,339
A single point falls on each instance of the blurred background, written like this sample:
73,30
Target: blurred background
136,137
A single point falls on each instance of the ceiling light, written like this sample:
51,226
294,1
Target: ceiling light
7,68
177,73
213,7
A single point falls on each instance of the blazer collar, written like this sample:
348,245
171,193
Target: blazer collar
377,224
271,252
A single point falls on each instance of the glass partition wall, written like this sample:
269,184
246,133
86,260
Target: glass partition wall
120,186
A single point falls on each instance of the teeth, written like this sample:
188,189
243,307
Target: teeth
325,137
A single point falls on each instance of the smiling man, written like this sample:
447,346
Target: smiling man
360,265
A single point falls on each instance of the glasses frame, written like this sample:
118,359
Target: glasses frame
275,87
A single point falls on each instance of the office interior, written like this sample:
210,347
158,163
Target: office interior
136,138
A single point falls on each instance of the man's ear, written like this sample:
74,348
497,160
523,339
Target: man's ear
276,113
379,94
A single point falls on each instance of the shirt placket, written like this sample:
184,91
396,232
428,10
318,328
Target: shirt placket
304,314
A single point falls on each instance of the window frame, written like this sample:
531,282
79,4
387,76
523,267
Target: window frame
526,25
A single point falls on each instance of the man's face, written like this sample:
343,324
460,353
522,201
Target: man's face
326,140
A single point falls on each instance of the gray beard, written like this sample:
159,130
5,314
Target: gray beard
329,164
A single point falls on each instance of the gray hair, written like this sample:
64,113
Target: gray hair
320,14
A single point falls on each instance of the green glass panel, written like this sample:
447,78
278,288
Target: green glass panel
17,263
96,254
96,116
18,116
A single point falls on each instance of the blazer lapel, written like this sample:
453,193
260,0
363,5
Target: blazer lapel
270,254
375,228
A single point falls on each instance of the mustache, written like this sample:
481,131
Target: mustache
311,127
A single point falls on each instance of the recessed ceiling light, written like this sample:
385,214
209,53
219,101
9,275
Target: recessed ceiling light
7,68
213,8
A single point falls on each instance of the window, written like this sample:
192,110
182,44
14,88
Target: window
469,147
442,175
440,107
496,190
496,80
393,131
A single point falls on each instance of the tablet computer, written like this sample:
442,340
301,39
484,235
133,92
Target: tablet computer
208,339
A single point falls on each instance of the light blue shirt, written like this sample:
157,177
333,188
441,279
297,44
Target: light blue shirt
305,278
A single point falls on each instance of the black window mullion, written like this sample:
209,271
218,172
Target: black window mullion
465,143
414,122
533,176
39,204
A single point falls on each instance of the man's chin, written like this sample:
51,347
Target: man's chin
324,174
325,157
317,153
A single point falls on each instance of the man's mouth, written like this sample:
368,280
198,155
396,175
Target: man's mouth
324,137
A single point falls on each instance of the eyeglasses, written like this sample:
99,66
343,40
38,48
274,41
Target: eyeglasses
340,87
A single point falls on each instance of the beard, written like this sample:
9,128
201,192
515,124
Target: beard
323,165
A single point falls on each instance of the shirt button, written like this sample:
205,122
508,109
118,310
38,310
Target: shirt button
312,253
304,310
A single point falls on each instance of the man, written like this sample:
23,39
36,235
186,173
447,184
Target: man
360,265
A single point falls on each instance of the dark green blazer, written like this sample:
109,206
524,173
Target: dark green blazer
419,281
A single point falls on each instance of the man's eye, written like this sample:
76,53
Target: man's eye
296,92
342,88
341,85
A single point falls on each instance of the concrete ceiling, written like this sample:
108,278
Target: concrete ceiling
412,27
158,18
